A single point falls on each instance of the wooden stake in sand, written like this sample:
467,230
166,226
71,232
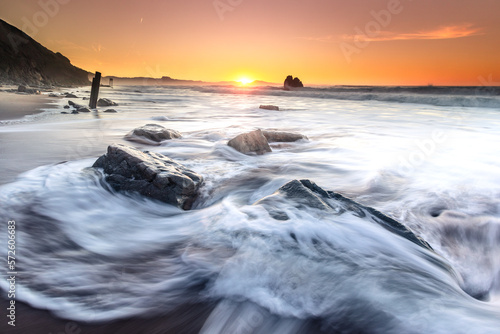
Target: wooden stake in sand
94,93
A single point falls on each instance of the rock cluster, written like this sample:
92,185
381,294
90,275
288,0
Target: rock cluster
291,83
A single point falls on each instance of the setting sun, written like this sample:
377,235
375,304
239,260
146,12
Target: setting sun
245,81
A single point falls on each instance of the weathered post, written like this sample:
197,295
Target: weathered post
111,82
94,93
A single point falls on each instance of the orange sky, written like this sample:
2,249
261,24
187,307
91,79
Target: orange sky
419,42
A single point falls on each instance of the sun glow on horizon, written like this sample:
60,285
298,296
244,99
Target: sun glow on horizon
245,81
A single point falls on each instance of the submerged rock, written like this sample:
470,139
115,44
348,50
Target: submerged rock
71,96
306,194
251,142
291,82
110,110
83,109
281,136
150,174
106,103
152,134
270,107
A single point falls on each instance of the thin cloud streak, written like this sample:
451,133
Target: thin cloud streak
446,32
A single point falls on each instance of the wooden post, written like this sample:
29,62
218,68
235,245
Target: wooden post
94,93
111,82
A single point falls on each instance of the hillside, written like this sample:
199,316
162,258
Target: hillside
25,61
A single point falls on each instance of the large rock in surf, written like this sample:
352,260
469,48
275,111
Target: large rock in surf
305,194
106,103
281,136
269,107
251,142
152,134
150,174
291,83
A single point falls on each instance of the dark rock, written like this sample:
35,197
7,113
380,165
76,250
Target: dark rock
75,112
53,95
66,107
152,134
291,83
27,90
270,107
106,103
75,105
251,142
64,112
110,110
280,136
150,174
305,194
83,109
71,96
85,98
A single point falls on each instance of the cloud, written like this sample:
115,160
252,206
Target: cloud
445,32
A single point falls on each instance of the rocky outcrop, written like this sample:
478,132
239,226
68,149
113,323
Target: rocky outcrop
270,107
305,194
251,142
24,61
152,134
106,103
281,136
150,174
291,83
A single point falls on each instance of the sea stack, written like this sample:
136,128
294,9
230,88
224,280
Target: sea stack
292,83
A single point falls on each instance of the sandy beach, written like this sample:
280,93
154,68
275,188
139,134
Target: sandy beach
16,106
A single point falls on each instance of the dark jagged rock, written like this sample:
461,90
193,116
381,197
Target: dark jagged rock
75,105
150,174
152,134
306,194
106,103
251,142
66,107
110,110
270,107
83,109
281,136
71,96
291,83
25,61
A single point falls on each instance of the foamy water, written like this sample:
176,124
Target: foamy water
91,254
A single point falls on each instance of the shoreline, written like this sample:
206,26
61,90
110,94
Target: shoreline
15,106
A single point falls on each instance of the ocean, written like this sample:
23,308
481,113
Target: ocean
428,157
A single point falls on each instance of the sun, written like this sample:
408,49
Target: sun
245,81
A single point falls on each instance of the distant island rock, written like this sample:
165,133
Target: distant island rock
25,61
291,83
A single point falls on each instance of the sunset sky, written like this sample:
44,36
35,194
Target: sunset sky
376,42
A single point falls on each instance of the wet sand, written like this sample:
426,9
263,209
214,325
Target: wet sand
186,319
16,106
